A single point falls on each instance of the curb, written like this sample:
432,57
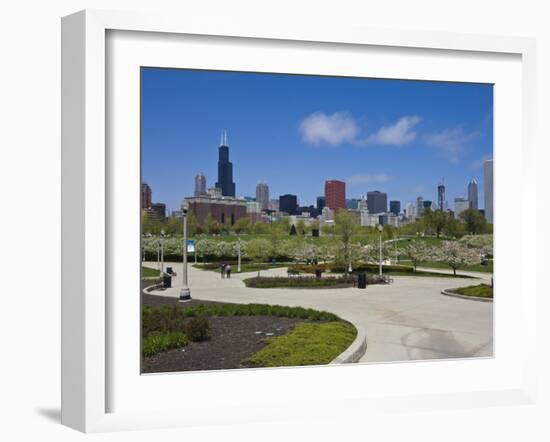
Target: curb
446,292
355,351
147,290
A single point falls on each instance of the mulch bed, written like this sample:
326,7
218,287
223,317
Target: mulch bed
233,338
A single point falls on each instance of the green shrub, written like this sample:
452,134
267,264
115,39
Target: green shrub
157,343
171,318
373,268
299,282
198,329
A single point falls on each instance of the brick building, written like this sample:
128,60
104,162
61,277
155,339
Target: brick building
223,210
335,194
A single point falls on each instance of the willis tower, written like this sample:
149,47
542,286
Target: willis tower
225,169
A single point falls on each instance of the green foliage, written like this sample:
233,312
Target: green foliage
259,250
479,291
157,343
306,344
475,221
170,318
242,225
436,221
198,329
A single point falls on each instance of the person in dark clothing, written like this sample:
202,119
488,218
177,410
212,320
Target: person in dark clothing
222,269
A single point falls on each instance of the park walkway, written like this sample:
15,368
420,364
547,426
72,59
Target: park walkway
407,320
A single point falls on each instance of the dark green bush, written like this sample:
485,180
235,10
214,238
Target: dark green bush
198,329
170,318
372,268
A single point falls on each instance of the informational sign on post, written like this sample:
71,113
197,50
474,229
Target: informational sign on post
190,245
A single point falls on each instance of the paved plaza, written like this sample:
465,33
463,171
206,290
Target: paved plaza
406,320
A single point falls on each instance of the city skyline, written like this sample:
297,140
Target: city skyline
401,151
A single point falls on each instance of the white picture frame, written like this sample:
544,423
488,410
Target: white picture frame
86,316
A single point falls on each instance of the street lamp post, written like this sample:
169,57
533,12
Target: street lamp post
380,228
158,255
239,255
185,293
162,252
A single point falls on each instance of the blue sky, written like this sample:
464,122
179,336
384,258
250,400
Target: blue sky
295,132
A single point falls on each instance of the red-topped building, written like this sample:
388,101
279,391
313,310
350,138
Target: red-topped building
335,194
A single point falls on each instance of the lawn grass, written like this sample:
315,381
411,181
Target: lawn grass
423,273
147,272
306,344
164,341
472,268
478,291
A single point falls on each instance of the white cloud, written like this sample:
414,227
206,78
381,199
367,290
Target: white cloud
450,142
396,134
320,128
369,178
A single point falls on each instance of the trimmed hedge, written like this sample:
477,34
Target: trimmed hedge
299,282
358,268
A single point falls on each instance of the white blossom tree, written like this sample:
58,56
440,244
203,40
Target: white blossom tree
417,251
456,254
308,253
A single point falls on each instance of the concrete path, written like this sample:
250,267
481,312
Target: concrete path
407,320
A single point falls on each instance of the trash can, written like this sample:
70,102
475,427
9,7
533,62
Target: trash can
362,280
167,281
169,270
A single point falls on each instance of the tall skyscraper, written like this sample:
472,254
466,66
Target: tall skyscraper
488,189
320,203
200,184
461,204
410,210
225,169
419,206
473,194
145,196
288,203
377,202
395,207
262,196
441,197
158,210
335,194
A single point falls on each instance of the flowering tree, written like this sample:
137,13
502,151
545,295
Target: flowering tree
456,254
308,253
205,247
371,252
417,251
258,250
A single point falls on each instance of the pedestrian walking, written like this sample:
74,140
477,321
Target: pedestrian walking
222,269
228,270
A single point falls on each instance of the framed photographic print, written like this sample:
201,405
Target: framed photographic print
290,219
